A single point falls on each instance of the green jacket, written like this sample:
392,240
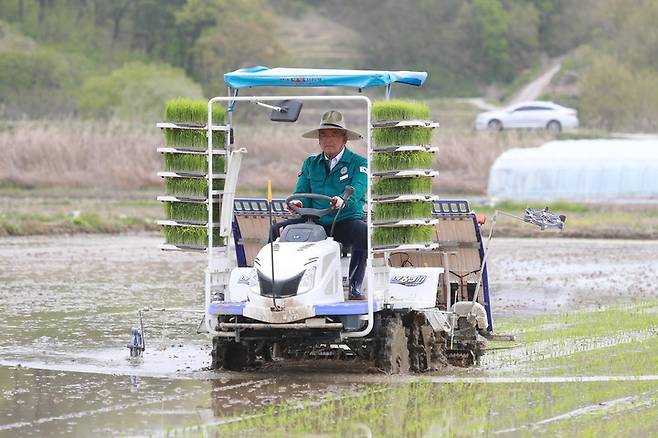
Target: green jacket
315,177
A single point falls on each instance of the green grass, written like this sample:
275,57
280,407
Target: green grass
631,358
402,210
190,235
554,206
192,163
188,211
401,235
193,111
403,160
616,340
457,409
423,408
607,321
403,186
402,136
638,422
400,110
190,186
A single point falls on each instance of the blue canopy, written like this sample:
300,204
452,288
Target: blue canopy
313,77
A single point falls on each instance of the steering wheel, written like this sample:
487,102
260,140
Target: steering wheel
313,212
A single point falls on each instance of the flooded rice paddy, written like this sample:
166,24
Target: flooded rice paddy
585,362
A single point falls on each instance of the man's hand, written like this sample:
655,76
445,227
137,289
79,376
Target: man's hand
296,202
337,202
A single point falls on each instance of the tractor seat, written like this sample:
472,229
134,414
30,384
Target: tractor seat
306,232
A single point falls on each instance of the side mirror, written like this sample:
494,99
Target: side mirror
286,111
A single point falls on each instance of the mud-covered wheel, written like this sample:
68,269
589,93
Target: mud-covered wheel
231,355
392,354
462,358
426,347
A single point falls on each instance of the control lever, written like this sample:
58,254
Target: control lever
347,193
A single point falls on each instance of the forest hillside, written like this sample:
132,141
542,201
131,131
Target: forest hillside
123,58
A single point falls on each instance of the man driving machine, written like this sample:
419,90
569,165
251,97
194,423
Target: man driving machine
328,173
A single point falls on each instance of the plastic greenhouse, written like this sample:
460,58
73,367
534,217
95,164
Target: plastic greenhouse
582,170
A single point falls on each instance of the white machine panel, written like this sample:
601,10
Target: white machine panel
238,288
413,288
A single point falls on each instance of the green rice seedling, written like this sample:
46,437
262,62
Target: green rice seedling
400,110
403,210
193,111
190,236
403,160
191,186
402,136
193,138
403,186
185,211
402,235
192,163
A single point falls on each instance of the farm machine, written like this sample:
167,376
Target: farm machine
428,302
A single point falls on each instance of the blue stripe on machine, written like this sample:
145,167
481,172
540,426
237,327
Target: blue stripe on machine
225,308
347,308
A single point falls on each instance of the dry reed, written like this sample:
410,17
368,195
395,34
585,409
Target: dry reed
72,153
122,156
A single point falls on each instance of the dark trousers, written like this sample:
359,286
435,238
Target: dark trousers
352,233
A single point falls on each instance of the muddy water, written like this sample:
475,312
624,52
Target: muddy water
535,276
67,305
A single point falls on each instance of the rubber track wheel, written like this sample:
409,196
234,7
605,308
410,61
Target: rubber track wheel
393,354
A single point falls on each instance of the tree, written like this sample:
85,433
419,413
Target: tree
226,35
606,91
135,91
493,23
638,39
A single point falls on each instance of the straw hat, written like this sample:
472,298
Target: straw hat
332,120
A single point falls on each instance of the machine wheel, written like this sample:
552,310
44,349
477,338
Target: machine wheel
462,358
392,354
426,347
554,126
495,125
231,355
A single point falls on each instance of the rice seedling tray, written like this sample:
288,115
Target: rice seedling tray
421,185
404,198
405,222
167,174
404,135
189,150
427,246
192,126
405,173
193,187
185,248
398,109
402,161
185,223
407,148
404,124
400,211
188,199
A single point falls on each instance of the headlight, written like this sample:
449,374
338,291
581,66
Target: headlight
253,282
308,280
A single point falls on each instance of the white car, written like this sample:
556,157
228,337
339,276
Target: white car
535,114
